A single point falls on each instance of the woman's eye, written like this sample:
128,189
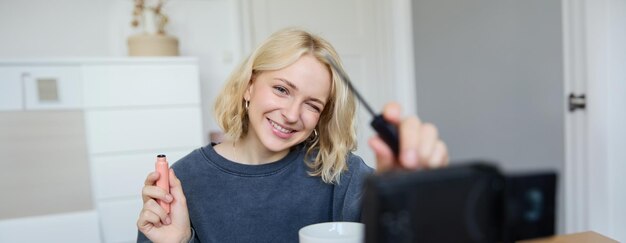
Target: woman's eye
315,108
281,89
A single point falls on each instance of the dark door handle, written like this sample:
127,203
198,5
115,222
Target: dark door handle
577,102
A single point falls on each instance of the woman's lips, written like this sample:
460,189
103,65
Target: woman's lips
280,131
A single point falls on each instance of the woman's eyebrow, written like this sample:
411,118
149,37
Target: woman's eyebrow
317,101
293,86
288,83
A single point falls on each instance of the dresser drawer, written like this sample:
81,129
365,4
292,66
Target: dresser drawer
11,91
41,87
140,85
119,219
135,130
76,227
119,176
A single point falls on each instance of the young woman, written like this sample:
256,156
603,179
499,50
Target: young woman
286,161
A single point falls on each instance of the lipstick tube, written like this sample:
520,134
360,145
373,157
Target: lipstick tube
162,167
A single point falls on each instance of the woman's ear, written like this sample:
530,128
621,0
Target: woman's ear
248,94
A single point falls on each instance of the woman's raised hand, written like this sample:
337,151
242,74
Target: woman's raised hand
154,222
420,145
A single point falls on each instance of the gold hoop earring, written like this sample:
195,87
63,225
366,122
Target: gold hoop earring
247,104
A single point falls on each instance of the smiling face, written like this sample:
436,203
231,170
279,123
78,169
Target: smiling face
286,104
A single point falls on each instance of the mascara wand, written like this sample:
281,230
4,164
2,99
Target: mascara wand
386,131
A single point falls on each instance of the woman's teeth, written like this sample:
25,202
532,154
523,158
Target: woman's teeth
279,128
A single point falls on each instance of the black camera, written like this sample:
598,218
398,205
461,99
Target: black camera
468,202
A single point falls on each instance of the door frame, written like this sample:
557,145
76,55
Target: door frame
398,17
594,141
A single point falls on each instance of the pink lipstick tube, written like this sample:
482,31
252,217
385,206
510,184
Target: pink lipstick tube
163,168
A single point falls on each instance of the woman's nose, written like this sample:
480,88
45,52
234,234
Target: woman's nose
291,112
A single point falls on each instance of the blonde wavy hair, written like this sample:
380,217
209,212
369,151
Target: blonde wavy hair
336,126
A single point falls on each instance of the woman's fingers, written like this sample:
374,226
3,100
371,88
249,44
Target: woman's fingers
385,158
420,145
179,213
156,209
392,112
176,188
429,138
155,192
150,181
148,218
151,178
154,221
410,141
150,193
152,212
439,157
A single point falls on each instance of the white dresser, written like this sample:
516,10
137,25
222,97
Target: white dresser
133,109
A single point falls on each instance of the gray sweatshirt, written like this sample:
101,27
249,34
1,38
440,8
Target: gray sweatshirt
232,202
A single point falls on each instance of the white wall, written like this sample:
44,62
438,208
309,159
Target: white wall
40,28
489,74
207,29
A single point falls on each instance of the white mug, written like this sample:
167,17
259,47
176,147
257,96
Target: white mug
333,232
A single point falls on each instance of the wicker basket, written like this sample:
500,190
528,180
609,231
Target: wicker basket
152,45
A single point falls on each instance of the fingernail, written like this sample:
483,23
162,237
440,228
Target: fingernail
168,220
409,157
169,198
